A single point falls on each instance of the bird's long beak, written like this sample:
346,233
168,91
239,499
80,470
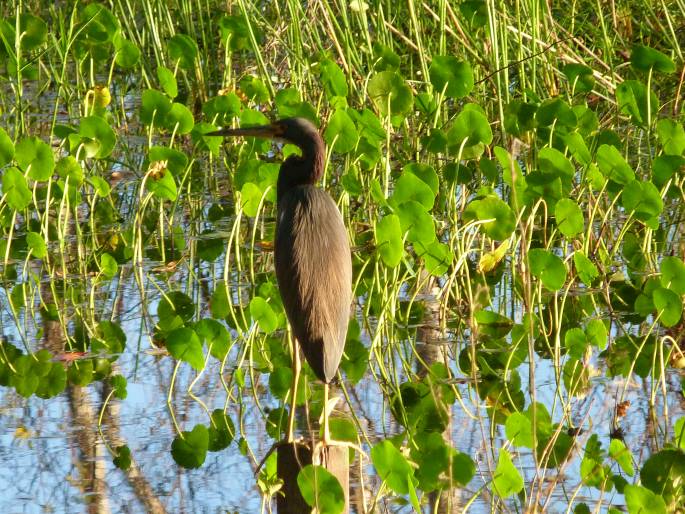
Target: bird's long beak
268,131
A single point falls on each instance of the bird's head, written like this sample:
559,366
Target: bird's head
298,131
295,170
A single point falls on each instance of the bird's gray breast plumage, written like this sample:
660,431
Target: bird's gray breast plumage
314,272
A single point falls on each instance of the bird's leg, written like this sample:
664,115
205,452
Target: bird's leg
326,429
293,392
326,440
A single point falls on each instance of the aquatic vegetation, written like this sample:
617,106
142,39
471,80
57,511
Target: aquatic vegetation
511,178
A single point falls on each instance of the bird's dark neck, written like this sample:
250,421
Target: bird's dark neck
307,169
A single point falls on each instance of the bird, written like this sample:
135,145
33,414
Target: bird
312,256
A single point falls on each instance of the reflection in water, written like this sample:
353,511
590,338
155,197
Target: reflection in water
62,465
58,450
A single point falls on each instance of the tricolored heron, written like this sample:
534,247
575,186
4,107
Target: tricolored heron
312,255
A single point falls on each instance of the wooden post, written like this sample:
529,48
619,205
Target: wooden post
292,457
336,460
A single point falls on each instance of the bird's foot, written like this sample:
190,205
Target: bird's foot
320,447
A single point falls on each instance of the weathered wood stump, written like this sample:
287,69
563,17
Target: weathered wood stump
292,457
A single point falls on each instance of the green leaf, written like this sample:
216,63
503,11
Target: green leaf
167,80
519,117
105,23
463,468
179,118
470,132
576,343
250,199
182,50
255,89
222,109
161,183
592,472
507,479
210,246
576,145
80,373
18,195
549,268
320,489
679,433
221,431
343,429
112,338
392,467
408,188
154,106
492,324
596,332
432,456
644,58
190,448
673,274
415,220
25,379
580,77
122,459
183,344
33,31
53,383
341,133
333,79
569,217
108,265
355,360
127,54
426,173
451,75
384,57
586,269
219,304
664,472
215,335
176,161
36,244
290,105
70,169
641,500
555,163
436,256
613,166
622,455
669,306
643,198
97,137
235,33
501,220
263,314
35,156
6,148
636,100
390,93
389,244
519,429
280,382
664,167
671,135
277,422
119,384
100,186
555,111
420,407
